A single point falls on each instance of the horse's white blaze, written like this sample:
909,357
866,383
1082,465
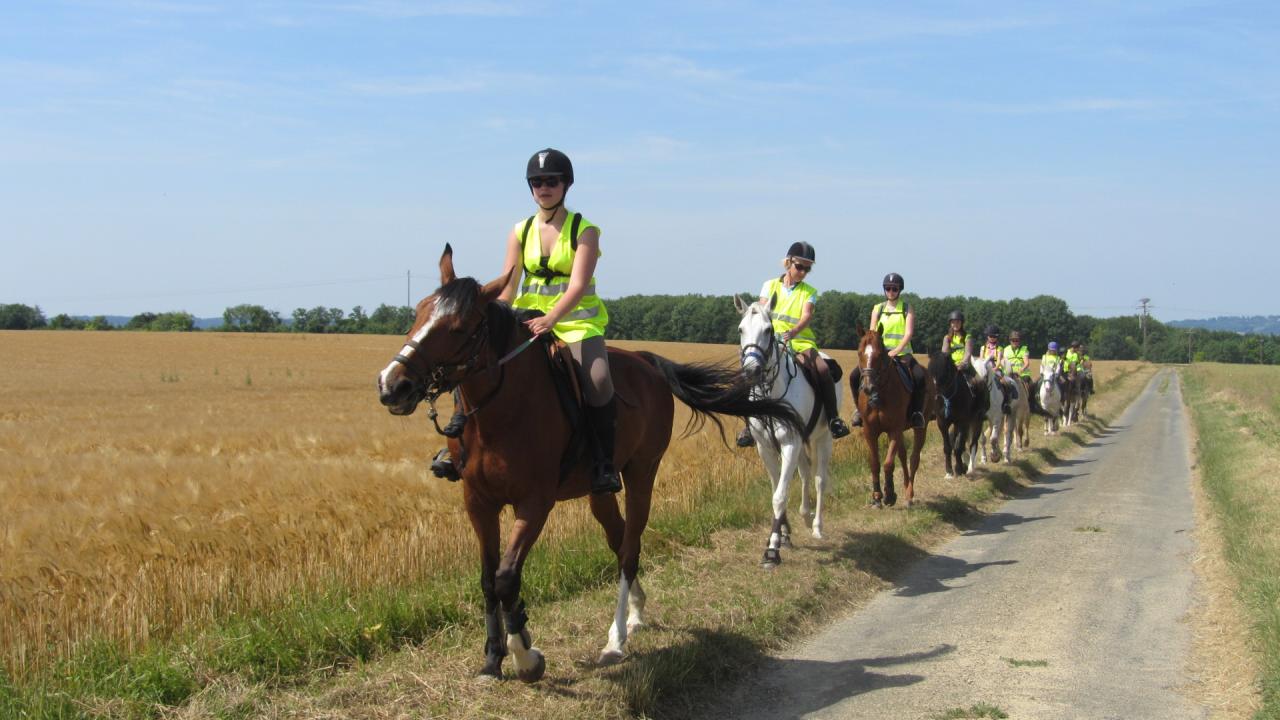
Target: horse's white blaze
407,351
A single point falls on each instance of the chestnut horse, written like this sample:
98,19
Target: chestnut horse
882,377
517,434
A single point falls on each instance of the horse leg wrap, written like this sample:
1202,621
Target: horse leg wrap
516,619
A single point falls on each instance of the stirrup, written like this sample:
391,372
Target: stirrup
838,428
745,439
442,466
605,480
917,419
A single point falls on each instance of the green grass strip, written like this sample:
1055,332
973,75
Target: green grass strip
1222,452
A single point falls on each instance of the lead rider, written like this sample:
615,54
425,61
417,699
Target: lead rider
556,253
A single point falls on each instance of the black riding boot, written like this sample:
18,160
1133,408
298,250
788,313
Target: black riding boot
603,425
458,421
855,385
836,425
915,406
442,466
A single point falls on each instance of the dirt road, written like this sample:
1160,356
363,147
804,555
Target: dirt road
1068,602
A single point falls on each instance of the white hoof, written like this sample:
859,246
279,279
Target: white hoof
817,532
534,672
610,657
949,476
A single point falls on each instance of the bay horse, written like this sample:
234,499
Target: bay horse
959,409
1071,397
516,437
766,359
882,377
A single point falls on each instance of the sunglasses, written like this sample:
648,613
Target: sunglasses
890,288
551,182
802,268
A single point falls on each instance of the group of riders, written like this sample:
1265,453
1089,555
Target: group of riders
551,260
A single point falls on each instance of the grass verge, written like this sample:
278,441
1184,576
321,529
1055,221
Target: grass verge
1236,423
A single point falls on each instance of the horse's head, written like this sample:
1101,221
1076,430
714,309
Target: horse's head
450,330
871,351
942,368
756,337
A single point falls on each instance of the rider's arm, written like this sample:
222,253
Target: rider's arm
875,317
968,352
806,315
906,335
512,262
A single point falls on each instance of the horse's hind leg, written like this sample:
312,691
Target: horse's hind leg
909,476
822,466
484,521
624,539
791,450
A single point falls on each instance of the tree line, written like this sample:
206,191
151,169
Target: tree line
713,319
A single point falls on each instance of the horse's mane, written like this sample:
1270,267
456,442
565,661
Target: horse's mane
460,297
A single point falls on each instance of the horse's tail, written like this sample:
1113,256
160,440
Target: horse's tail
713,389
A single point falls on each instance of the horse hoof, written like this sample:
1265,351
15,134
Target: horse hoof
875,504
610,657
772,559
786,542
948,476
533,674
817,532
890,500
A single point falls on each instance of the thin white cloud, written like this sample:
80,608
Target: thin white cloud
411,87
401,9
680,68
1061,106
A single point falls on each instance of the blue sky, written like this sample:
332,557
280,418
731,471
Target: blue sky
162,155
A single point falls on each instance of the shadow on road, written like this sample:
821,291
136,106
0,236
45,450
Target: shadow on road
885,556
825,684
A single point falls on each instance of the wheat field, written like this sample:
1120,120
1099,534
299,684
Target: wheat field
154,482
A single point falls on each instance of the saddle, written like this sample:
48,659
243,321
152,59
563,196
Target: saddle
811,375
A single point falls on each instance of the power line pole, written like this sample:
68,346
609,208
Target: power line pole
1142,321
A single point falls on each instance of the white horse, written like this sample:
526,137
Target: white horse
1050,399
995,414
1017,422
783,451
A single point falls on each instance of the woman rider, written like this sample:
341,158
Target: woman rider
993,354
556,251
957,343
792,300
1017,360
896,321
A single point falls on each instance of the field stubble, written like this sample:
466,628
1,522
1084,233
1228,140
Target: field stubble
156,482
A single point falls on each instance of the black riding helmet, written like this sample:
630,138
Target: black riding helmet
550,163
955,315
803,251
991,331
893,280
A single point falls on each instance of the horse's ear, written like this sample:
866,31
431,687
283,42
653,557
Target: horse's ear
860,330
740,304
446,266
494,288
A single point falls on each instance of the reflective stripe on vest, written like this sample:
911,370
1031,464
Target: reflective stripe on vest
1017,358
546,280
957,348
893,325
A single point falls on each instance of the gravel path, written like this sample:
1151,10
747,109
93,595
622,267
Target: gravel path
1067,602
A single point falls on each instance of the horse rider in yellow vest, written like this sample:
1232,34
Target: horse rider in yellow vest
1071,359
1017,360
993,355
1051,359
896,321
792,300
1086,366
957,343
556,252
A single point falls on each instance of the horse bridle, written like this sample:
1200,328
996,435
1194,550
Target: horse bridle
776,348
445,377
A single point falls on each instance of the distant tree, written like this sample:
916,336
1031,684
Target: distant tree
21,317
251,318
173,322
318,319
390,320
63,321
141,321
99,322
